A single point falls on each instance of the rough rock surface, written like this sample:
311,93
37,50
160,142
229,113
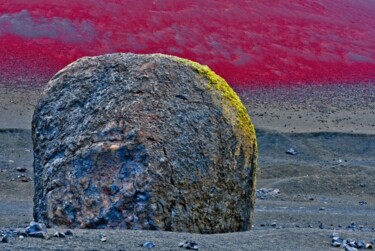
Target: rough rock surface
143,142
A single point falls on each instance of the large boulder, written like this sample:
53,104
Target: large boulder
143,142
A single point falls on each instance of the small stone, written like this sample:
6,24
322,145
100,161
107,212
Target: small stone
189,245
322,209
262,193
148,245
25,179
21,233
362,203
360,244
336,244
37,230
352,226
349,248
336,238
4,238
369,246
38,235
352,244
21,169
21,237
291,151
12,232
273,224
69,232
59,234
103,237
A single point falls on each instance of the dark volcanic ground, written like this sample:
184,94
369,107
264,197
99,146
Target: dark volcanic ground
327,186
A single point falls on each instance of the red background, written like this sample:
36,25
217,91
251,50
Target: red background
245,41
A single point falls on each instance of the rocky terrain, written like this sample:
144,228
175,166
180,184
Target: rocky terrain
313,181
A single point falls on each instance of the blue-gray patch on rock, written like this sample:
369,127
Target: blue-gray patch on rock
82,166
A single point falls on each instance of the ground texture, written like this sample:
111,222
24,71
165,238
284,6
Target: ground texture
327,186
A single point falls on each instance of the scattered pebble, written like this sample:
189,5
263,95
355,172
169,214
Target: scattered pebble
25,179
69,232
148,245
189,245
59,234
38,230
22,233
349,248
349,244
21,169
103,237
360,244
4,238
262,193
352,226
362,203
291,151
336,244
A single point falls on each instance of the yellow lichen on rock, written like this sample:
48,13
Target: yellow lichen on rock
234,111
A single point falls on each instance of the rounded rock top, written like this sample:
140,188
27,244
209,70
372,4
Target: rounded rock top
143,142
